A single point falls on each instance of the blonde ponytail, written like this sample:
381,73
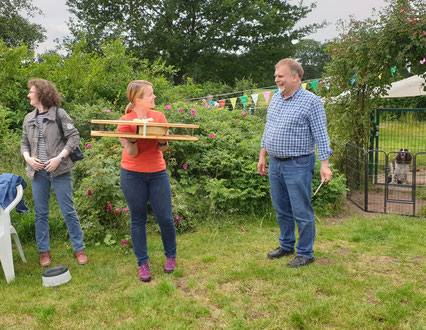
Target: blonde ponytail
129,108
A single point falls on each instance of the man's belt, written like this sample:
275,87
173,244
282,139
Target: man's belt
291,158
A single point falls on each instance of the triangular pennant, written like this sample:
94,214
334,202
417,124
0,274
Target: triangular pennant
266,95
254,98
314,85
222,103
304,85
243,100
212,102
233,102
276,91
393,70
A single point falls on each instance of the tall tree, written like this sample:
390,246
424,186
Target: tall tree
15,28
311,54
207,39
366,57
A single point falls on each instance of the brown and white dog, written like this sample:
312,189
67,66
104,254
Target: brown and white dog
400,167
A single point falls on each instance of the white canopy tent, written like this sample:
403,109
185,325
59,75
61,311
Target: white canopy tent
412,86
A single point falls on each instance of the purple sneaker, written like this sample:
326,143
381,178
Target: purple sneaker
170,265
144,273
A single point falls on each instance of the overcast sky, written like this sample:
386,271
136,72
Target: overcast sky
56,16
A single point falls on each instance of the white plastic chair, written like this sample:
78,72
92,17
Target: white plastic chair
6,233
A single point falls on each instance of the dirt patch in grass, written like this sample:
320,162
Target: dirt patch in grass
323,261
350,210
418,259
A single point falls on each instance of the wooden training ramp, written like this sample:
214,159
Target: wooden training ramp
144,130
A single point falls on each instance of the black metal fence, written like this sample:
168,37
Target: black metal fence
390,177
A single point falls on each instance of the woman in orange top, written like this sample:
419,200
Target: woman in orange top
144,177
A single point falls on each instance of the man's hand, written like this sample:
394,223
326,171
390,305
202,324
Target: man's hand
261,165
326,174
53,163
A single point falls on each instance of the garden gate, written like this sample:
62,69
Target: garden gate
372,185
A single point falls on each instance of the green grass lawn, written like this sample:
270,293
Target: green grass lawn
369,274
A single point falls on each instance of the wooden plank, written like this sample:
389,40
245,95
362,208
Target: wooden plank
138,123
150,137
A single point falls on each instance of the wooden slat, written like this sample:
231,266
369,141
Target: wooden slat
151,137
138,123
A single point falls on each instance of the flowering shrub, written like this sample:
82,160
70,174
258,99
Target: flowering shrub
126,245
183,225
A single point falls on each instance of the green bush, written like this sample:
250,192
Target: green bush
330,199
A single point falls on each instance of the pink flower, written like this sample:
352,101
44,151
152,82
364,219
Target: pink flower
244,113
107,110
89,192
93,174
180,110
212,135
117,210
423,61
192,226
410,21
109,207
193,113
168,106
185,166
123,242
402,10
178,219
195,105
237,121
88,146
334,49
356,40
125,209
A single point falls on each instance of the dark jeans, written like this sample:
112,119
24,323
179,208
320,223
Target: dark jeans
139,188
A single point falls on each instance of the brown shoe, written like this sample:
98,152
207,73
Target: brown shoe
81,257
45,259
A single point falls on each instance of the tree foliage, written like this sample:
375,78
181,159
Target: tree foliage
310,53
14,28
366,57
205,39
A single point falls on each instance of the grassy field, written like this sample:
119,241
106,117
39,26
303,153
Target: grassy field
369,274
395,135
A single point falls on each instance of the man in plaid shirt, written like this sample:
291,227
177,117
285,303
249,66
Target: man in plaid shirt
295,123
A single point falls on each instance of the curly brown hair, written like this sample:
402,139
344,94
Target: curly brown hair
47,93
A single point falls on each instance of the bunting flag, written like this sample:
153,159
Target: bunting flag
304,85
266,95
393,70
243,100
314,85
222,103
276,91
212,102
352,80
254,98
233,102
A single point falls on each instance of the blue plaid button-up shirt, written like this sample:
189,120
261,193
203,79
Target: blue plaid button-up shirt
294,125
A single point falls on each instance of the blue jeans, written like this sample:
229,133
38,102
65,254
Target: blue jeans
291,189
139,188
62,187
